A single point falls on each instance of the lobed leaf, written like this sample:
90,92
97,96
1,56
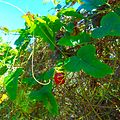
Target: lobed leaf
110,26
88,62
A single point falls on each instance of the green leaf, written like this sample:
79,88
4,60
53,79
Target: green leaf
68,41
45,95
110,17
11,83
92,4
74,40
108,29
117,10
3,69
52,18
70,12
1,40
43,31
54,23
68,1
88,62
29,81
70,27
22,38
24,46
72,1
39,94
99,33
50,103
84,37
73,64
48,74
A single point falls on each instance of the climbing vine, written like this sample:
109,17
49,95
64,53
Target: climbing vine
76,51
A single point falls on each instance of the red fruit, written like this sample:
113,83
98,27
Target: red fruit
59,78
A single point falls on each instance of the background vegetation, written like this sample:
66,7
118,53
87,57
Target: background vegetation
82,45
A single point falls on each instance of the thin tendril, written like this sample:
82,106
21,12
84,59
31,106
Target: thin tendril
33,69
13,6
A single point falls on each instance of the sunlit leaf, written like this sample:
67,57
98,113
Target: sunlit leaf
11,83
52,18
54,23
43,31
29,19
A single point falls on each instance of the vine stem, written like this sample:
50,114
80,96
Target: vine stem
13,6
33,67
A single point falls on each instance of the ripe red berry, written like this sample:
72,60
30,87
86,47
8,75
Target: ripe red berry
59,78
